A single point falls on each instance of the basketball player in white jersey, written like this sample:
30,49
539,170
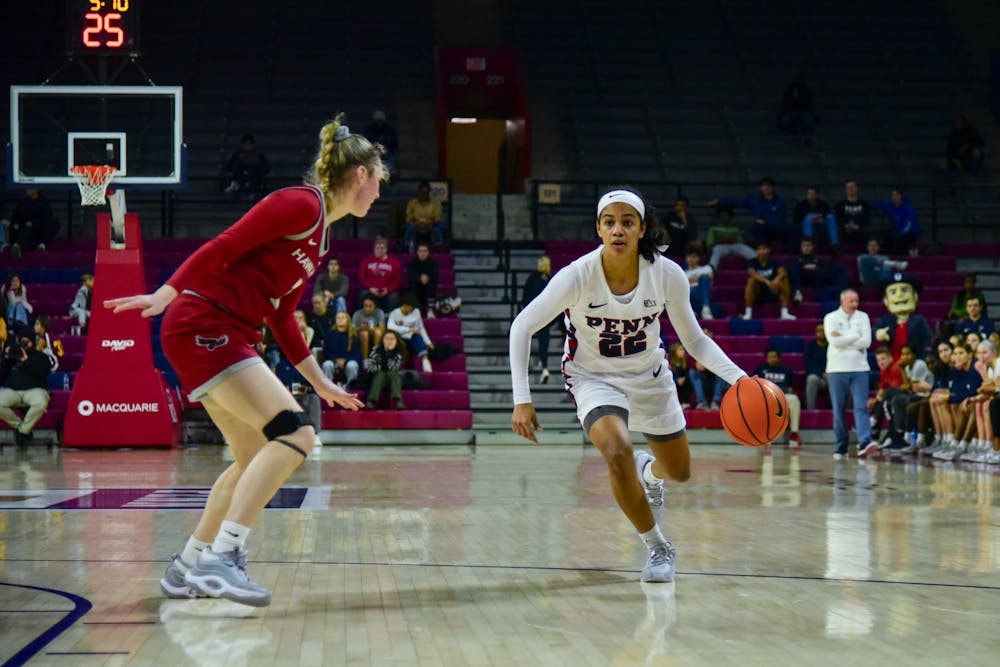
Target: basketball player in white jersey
613,363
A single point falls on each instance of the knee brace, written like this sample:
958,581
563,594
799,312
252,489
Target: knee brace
286,422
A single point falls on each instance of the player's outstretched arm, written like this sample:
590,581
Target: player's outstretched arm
151,304
325,388
524,421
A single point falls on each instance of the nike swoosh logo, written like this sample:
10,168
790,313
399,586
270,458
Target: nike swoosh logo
231,534
781,410
313,242
656,373
597,306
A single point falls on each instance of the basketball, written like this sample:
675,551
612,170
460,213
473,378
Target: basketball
754,412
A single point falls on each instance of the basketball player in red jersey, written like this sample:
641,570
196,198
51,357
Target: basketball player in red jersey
255,272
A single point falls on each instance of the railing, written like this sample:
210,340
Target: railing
977,206
957,208
206,192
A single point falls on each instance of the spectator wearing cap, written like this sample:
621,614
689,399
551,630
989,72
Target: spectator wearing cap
423,218
380,132
902,325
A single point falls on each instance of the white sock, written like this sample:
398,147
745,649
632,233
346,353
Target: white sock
648,476
231,535
191,551
653,536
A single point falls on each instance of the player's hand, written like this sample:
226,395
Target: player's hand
151,304
524,421
334,395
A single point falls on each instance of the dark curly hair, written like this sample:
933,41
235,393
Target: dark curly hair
656,235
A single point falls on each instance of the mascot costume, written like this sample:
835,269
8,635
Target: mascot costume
902,325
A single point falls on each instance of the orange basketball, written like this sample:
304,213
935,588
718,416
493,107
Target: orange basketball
754,412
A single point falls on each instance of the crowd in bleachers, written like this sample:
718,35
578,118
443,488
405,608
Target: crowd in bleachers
345,317
763,288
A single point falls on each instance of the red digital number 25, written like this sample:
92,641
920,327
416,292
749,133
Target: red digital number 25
106,24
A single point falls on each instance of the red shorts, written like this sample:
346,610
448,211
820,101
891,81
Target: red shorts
205,345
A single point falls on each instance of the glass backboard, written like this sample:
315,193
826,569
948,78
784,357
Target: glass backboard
138,129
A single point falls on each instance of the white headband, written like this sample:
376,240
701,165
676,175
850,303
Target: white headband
625,197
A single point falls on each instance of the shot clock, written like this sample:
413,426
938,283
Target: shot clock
103,26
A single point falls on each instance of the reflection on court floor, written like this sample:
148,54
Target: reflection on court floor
506,555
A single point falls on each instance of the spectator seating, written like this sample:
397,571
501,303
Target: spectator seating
747,340
53,277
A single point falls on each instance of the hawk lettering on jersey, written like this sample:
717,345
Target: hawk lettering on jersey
304,261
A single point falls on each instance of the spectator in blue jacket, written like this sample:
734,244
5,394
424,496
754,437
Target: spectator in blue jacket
770,214
905,228
342,351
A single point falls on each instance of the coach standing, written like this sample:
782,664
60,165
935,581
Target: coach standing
849,332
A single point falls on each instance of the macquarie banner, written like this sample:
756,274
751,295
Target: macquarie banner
119,398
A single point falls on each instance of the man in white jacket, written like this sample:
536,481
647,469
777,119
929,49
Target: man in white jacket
849,332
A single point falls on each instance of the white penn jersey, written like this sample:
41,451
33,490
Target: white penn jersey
614,336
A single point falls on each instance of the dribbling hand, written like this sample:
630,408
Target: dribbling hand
524,421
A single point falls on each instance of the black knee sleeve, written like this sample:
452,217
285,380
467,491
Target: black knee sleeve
286,422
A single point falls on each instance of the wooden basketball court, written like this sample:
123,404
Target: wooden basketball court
459,555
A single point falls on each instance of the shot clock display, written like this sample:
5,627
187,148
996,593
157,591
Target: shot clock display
103,26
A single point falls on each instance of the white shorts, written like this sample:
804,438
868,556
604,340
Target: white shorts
650,400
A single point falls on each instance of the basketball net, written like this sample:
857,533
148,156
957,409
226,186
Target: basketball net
93,181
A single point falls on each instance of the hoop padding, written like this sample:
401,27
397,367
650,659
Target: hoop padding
93,181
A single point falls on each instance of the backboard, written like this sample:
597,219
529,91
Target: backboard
138,129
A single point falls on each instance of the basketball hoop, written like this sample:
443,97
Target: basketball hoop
93,181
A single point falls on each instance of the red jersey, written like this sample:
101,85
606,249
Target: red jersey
255,271
890,376
899,339
386,272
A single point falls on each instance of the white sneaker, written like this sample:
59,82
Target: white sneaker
798,296
654,492
706,313
544,377
785,315
172,583
660,566
993,458
747,315
427,365
224,575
